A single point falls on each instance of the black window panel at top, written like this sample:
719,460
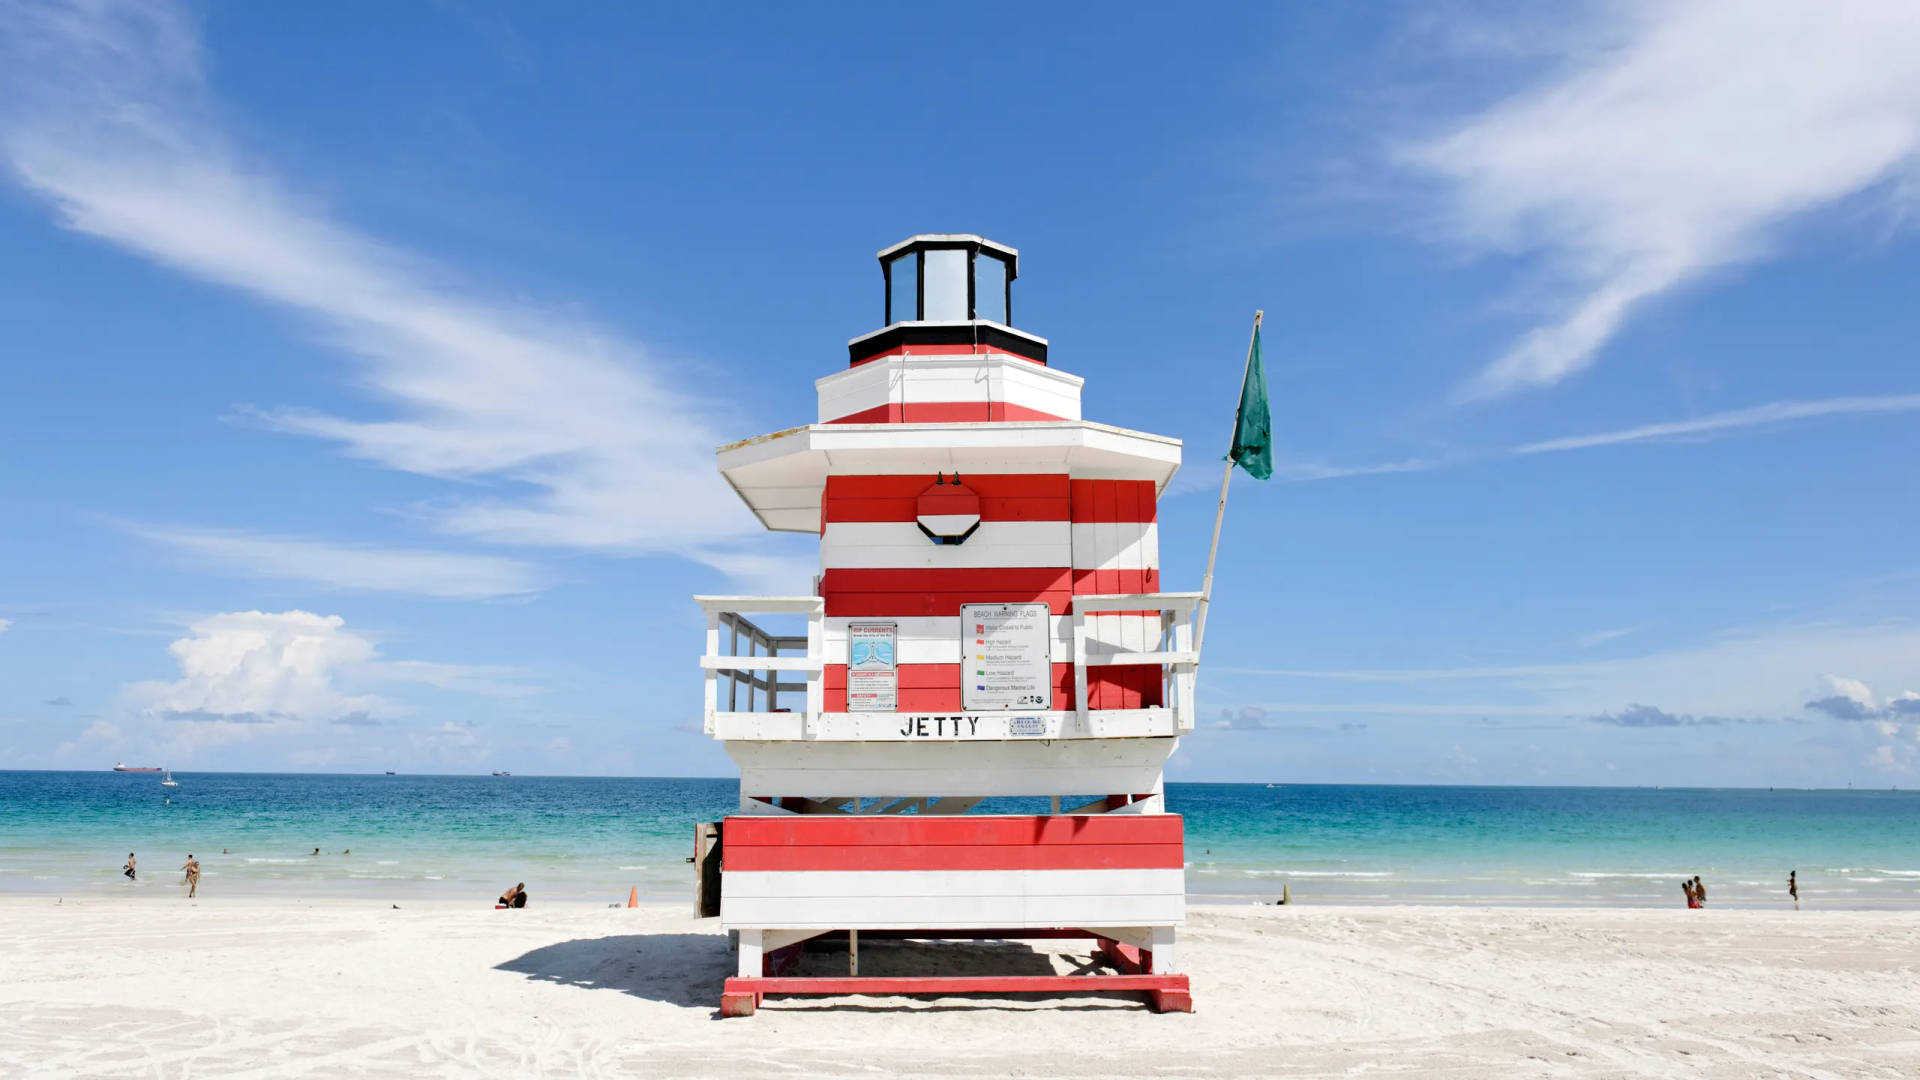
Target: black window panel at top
906,289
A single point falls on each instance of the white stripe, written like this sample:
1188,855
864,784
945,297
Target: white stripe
900,545
944,379
935,639
917,899
1116,545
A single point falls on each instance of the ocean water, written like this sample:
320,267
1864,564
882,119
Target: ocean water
591,839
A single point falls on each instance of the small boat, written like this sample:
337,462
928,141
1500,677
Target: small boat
389,772
117,767
169,781
501,772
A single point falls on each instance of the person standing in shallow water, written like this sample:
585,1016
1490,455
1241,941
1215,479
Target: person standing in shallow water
1793,888
1699,891
192,869
1686,886
128,869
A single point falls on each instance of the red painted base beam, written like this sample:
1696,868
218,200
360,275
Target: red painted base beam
1170,993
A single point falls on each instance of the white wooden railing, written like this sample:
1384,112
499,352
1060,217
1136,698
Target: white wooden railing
754,677
759,671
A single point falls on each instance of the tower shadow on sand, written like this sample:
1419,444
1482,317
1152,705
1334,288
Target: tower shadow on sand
688,969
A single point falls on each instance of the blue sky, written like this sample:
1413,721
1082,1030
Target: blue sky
360,365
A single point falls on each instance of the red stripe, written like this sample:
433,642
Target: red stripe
969,830
857,592
892,498
945,350
1112,582
901,857
1113,500
931,688
944,412
956,984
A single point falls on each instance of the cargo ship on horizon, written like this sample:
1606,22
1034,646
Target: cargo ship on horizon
117,767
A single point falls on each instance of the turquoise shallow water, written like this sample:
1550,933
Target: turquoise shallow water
590,839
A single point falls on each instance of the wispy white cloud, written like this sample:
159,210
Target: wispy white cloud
1776,672
352,566
1694,429
1779,412
106,114
1601,637
1671,145
5,625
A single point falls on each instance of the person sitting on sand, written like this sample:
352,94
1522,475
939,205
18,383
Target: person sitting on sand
192,869
128,869
515,897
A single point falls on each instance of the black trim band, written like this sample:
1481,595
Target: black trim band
946,334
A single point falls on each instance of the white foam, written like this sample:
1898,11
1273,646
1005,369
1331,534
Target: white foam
288,861
1594,874
1321,873
633,868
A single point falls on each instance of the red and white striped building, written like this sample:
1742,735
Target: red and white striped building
987,622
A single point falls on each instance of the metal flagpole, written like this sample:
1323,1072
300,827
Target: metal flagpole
1220,514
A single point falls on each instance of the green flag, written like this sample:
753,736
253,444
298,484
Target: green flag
1253,427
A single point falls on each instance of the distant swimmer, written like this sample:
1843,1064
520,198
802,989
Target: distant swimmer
515,897
192,869
128,869
1793,888
349,851
316,851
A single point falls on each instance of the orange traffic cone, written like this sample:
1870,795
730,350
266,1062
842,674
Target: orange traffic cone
633,896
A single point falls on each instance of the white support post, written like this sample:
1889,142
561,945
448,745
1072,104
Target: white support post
750,954
1165,960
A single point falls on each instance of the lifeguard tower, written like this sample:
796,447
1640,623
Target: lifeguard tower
987,623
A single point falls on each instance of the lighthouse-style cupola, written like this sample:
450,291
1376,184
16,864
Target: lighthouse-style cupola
987,623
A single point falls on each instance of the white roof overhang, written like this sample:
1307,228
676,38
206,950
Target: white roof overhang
781,476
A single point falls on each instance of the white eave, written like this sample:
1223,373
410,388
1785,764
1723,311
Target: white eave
951,238
781,476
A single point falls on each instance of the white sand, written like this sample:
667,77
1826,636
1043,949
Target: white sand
165,988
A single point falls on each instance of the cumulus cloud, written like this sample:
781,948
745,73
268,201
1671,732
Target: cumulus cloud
60,702
245,671
1649,716
255,666
106,114
1672,145
1851,699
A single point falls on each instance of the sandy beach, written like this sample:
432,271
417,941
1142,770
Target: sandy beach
259,988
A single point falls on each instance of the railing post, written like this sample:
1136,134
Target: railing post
816,652
1183,674
713,676
1080,664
